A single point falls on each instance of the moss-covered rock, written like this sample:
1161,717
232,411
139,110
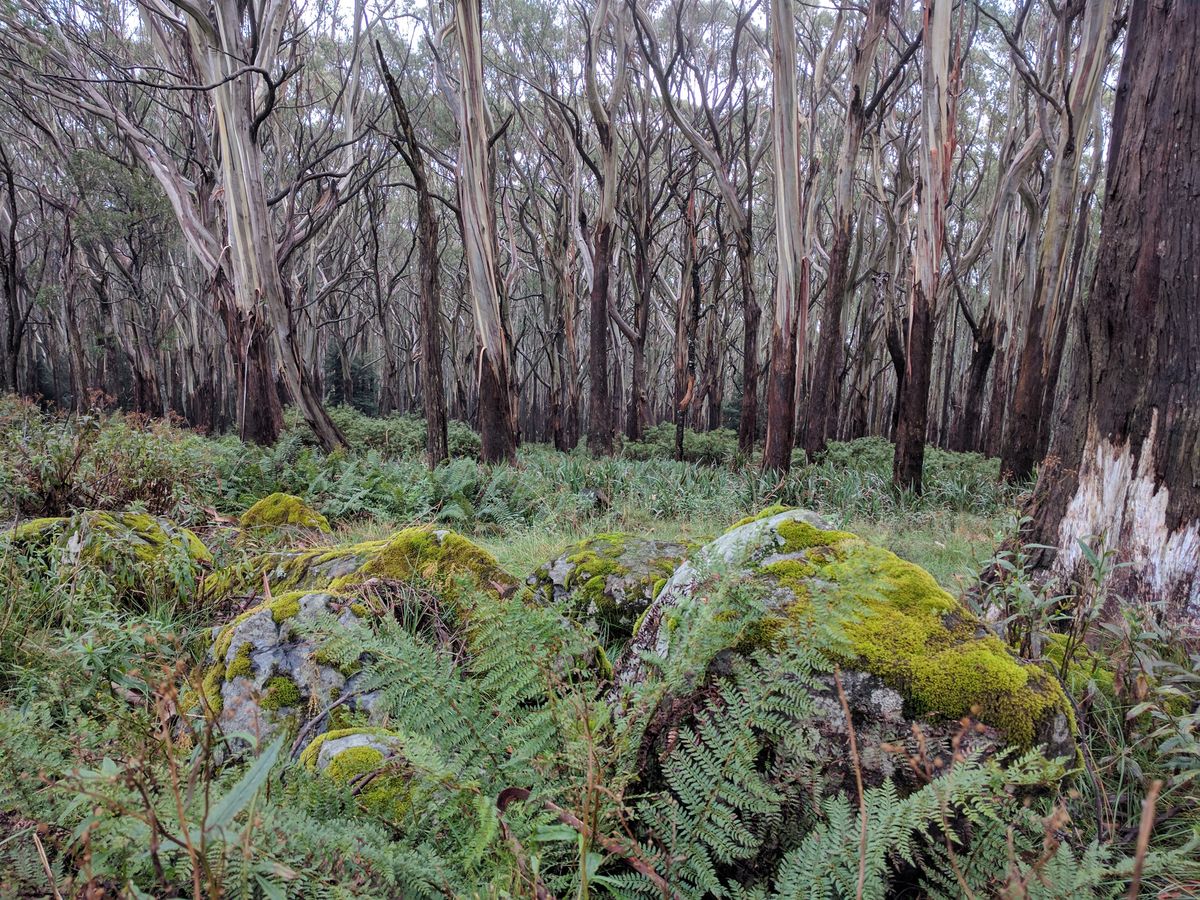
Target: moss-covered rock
266,671
368,761
787,578
283,510
141,555
269,669
606,582
436,558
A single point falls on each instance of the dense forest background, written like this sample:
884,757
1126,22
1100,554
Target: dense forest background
626,448
633,199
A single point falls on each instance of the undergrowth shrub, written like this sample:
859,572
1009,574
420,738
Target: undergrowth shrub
52,464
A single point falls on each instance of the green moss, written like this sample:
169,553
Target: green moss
310,754
278,510
138,553
388,795
352,762
281,692
36,529
798,535
211,685
240,666
439,558
773,510
903,627
875,612
286,605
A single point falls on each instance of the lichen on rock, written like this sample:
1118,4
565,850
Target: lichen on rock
607,581
788,577
269,668
280,510
267,672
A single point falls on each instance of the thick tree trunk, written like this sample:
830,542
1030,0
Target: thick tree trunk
1128,470
912,402
497,408
964,433
937,153
791,308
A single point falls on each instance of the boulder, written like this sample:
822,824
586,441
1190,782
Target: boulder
269,669
142,555
434,556
370,762
912,653
283,511
266,671
606,582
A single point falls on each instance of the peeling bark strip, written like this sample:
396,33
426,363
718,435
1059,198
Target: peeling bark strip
1131,470
791,310
938,86
1120,498
497,414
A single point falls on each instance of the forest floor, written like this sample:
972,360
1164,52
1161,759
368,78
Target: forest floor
93,760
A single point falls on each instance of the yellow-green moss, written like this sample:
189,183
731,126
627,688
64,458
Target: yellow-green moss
280,509
799,535
281,692
766,513
352,762
889,617
240,666
439,558
36,529
388,795
902,627
141,553
211,685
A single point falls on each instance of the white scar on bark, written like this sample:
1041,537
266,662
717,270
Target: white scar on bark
1130,511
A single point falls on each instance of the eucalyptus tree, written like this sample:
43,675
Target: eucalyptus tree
825,397
791,270
428,224
1123,470
215,73
715,103
933,186
1066,97
497,401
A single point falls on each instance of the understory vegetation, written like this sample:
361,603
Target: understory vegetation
513,763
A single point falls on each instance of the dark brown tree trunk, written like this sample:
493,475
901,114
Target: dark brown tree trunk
495,416
913,401
434,393
10,279
1128,467
964,434
259,412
